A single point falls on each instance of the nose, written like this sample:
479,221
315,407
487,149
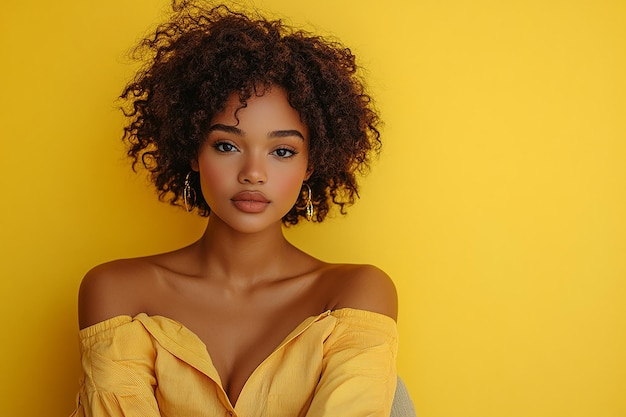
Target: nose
253,170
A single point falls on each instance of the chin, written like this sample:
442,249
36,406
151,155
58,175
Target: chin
249,224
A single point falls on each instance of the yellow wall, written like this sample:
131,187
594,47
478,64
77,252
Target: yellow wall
498,206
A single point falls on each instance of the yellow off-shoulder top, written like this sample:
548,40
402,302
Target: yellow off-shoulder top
340,363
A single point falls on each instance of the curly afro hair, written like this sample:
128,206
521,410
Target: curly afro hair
201,56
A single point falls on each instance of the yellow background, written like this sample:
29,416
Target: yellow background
498,205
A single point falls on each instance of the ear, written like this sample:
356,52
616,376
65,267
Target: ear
194,165
308,173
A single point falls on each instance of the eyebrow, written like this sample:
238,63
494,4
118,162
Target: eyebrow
285,133
226,129
273,134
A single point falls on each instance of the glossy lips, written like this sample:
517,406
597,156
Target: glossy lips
250,201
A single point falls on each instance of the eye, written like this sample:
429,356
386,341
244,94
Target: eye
225,147
284,152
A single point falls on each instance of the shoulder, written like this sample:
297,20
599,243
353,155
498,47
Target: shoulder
363,287
115,288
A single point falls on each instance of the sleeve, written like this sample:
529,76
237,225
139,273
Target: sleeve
118,379
359,367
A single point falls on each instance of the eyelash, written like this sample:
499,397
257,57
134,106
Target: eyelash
220,147
292,152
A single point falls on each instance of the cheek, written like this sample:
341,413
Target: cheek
213,179
290,185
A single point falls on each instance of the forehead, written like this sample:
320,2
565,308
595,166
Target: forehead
270,110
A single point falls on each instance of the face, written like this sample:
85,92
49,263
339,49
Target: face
252,166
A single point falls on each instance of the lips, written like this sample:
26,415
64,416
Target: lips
250,201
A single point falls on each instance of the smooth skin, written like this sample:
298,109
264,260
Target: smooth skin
242,287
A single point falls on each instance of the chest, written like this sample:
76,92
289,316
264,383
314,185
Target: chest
240,330
282,385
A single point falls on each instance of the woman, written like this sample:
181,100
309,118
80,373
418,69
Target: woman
253,125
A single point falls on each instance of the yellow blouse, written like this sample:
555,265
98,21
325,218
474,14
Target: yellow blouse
340,363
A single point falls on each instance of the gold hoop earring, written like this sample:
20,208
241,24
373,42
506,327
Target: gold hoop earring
189,194
309,203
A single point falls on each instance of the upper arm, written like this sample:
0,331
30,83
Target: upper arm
108,290
359,372
366,287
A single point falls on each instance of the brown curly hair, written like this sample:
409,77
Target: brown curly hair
202,55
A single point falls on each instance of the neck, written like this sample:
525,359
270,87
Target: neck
243,258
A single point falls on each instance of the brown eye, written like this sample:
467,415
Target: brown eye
225,147
284,152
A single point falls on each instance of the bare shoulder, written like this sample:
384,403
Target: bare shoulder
363,287
113,289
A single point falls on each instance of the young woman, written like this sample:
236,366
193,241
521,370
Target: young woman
254,125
